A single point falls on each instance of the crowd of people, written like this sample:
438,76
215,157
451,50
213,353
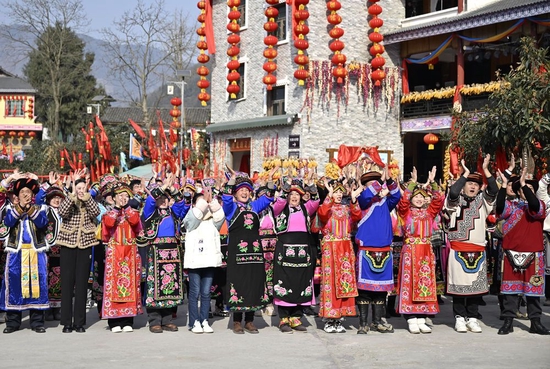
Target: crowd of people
364,241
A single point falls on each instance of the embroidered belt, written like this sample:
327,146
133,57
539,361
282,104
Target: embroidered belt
417,241
466,246
165,240
30,286
520,260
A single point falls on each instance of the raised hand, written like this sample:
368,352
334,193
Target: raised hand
414,175
523,177
431,174
357,192
512,163
465,168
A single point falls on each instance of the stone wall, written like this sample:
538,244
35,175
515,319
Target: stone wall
325,125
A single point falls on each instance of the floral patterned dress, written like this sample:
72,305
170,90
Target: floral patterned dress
338,284
417,283
246,281
121,290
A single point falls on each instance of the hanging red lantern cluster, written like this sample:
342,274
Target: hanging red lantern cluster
233,51
270,41
203,57
336,46
301,14
30,109
175,113
377,62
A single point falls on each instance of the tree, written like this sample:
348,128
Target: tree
143,47
64,92
518,116
43,28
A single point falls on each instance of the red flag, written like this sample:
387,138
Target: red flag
11,153
137,128
4,149
99,124
71,164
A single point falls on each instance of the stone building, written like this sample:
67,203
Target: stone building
310,120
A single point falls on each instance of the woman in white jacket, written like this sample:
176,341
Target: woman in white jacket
202,256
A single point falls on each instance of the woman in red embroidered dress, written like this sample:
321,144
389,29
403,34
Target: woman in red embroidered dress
121,290
338,284
417,285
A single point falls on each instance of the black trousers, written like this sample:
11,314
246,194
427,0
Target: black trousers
121,322
547,284
248,316
13,318
511,302
159,316
290,311
75,271
371,297
466,306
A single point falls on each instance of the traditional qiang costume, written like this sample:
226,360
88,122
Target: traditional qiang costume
467,262
523,264
25,283
374,257
164,275
417,285
295,259
338,285
121,291
246,282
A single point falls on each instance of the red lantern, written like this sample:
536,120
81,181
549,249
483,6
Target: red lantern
272,12
21,134
430,139
176,101
334,19
375,10
301,59
376,22
174,113
301,15
433,62
376,37
201,31
234,15
378,75
336,32
336,45
233,3
233,39
201,18
175,125
203,71
270,53
377,49
201,4
202,45
233,27
233,64
271,40
203,84
378,62
2,133
301,75
340,73
272,2
334,5
204,97
233,76
32,134
269,79
270,67
301,29
339,59
233,51
301,44
233,90
12,133
203,58
270,26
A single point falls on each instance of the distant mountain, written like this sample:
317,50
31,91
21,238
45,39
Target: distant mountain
100,69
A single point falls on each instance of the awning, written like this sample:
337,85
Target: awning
276,120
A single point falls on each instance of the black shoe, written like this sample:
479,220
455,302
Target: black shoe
67,329
308,310
440,300
49,315
79,329
507,327
39,329
481,302
10,329
538,328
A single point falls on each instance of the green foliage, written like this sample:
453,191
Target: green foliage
60,71
518,114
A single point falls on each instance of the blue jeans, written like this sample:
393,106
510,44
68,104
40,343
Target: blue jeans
200,282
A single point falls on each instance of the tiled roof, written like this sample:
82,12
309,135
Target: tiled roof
9,84
497,12
194,117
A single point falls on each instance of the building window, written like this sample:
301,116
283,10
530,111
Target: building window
14,108
240,82
276,101
281,21
242,9
419,7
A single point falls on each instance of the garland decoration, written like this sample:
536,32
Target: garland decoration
270,41
203,57
376,50
233,51
301,14
336,46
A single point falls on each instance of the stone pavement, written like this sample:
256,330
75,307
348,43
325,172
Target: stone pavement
443,348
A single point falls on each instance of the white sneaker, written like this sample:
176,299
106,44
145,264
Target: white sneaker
270,310
422,327
206,328
330,327
460,324
339,327
116,329
197,327
413,325
473,325
127,328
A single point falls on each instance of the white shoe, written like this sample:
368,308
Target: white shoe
270,310
429,322
422,325
473,325
127,328
330,327
339,327
116,329
460,324
206,328
197,328
413,325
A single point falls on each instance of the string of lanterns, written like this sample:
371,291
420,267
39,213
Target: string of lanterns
233,51
203,57
301,14
377,63
336,46
270,41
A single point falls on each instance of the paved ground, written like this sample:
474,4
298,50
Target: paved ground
443,348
